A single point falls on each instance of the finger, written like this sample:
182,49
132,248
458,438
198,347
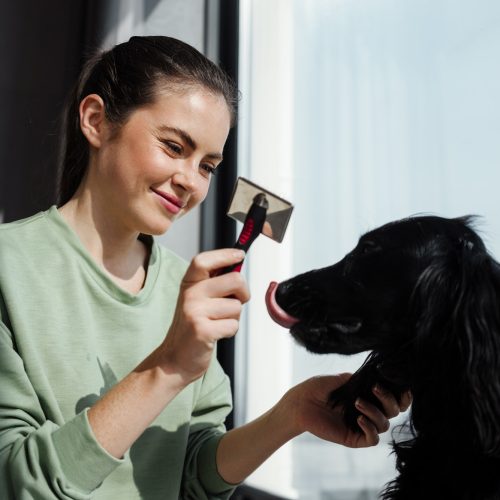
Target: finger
378,419
406,399
389,403
227,285
330,382
369,430
227,308
226,328
206,263
342,378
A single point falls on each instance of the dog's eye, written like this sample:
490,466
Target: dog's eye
367,247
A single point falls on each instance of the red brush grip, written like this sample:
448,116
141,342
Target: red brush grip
251,229
246,232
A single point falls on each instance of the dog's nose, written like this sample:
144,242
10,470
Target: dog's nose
285,287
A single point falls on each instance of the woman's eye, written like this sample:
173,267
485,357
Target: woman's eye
208,168
172,146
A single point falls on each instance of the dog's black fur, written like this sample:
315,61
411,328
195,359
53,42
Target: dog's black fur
422,294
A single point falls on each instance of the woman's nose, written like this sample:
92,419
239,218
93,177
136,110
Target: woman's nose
186,176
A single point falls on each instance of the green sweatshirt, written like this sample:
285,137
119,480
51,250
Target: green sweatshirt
67,334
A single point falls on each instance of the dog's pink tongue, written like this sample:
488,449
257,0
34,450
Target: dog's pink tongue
275,311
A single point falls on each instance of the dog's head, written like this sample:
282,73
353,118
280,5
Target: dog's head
364,302
423,295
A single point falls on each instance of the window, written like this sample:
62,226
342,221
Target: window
360,112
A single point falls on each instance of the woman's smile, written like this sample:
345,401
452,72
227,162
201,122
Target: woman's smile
170,202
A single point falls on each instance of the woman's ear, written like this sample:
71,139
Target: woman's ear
93,119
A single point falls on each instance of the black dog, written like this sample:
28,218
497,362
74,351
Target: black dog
422,294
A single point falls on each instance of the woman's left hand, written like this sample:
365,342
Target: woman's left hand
304,408
308,405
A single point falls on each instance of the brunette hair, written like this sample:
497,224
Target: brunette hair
126,77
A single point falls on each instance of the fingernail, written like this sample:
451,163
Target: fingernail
377,389
358,403
238,254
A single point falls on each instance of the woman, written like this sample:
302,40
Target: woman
109,384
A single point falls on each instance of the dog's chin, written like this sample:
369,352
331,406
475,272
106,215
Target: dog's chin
335,337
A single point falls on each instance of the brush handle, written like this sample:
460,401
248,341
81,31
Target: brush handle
252,227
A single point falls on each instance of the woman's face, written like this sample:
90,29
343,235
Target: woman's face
158,166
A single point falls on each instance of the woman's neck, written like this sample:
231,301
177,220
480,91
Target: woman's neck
117,250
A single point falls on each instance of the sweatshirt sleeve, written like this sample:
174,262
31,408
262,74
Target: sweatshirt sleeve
202,480
39,459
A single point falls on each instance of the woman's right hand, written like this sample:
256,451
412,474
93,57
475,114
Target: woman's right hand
208,309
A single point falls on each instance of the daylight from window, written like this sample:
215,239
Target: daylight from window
359,112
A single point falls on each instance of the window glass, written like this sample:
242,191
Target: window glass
359,112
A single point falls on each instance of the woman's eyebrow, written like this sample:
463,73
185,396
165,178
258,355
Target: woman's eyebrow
188,139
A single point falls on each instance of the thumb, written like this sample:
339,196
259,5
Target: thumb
331,382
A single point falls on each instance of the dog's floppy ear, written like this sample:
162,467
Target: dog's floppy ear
457,312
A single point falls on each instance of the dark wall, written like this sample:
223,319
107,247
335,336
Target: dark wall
41,46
